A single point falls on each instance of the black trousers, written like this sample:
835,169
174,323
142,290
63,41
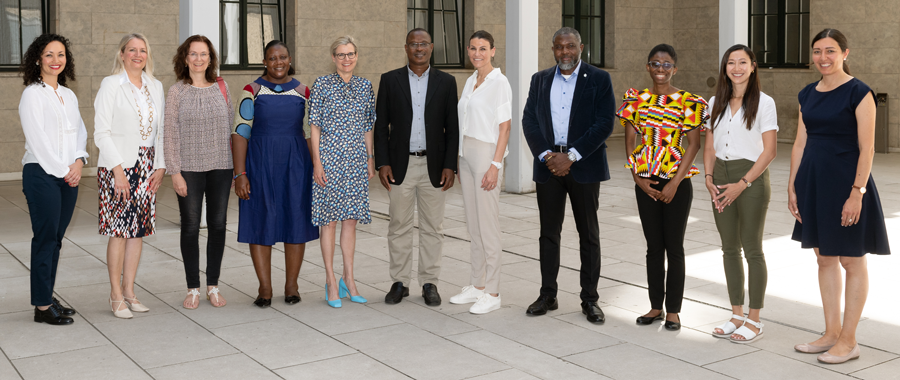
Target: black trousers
216,184
551,199
51,202
664,227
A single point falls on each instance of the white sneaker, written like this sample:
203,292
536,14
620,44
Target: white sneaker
485,304
469,294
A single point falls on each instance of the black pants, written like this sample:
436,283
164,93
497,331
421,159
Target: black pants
551,199
51,202
664,227
216,184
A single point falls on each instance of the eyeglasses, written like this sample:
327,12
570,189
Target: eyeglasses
665,65
349,55
416,45
195,55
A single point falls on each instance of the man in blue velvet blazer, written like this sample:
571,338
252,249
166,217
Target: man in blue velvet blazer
569,114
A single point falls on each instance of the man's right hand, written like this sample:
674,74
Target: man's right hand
386,176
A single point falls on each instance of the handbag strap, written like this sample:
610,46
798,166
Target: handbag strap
221,83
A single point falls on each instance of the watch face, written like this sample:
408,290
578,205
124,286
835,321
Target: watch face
862,190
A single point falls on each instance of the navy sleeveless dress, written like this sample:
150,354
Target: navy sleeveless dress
826,173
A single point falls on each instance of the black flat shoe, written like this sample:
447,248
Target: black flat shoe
542,305
396,294
642,320
51,316
593,312
291,300
673,326
263,302
430,293
63,310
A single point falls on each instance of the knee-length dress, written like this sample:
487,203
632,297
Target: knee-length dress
279,167
826,176
344,112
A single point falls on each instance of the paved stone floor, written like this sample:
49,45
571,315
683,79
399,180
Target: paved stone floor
410,340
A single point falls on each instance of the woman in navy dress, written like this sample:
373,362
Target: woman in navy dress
273,172
832,195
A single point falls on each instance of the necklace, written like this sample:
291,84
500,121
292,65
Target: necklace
145,135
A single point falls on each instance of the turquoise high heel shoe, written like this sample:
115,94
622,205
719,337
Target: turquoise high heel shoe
336,303
343,291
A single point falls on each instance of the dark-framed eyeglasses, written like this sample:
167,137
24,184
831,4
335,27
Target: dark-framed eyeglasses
665,65
349,55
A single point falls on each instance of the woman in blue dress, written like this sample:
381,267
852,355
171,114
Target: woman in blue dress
273,171
342,113
832,195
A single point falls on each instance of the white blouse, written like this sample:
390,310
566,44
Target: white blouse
482,110
732,140
142,102
55,135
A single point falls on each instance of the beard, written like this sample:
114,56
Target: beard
568,66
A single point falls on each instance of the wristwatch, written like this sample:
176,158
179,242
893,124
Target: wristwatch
862,190
498,165
747,182
572,156
83,160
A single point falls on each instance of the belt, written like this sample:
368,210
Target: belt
420,153
560,148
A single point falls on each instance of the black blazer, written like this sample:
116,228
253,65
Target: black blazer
590,122
393,123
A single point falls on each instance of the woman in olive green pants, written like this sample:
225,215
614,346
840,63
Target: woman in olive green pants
740,145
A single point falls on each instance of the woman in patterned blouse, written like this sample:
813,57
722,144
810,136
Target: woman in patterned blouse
663,115
342,114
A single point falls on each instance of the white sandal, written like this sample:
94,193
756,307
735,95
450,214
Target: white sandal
749,335
214,293
195,294
728,327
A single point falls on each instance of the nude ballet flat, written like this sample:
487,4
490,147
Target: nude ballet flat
124,313
135,305
807,348
831,359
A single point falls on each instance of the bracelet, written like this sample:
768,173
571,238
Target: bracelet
236,177
709,175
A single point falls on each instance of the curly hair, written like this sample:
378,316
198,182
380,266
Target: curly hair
31,72
182,72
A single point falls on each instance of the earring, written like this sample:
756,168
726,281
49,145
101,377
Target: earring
38,63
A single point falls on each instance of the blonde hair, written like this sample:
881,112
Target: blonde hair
344,40
118,66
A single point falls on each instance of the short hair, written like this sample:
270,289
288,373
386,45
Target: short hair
345,40
182,72
567,30
663,48
271,44
31,73
118,67
414,30
484,35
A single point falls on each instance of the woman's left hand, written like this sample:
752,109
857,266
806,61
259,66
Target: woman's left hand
74,175
156,180
489,182
851,211
370,166
729,193
668,191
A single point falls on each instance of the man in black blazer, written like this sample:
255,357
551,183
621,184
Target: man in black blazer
416,149
568,116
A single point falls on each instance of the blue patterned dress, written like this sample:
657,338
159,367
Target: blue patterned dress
344,112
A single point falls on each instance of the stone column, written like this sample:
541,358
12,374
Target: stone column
199,17
521,64
733,24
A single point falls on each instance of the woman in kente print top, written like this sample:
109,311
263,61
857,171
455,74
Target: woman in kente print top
663,115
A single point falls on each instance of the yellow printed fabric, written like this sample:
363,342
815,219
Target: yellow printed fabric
662,121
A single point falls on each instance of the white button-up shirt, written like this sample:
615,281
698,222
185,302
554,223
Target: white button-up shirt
55,135
482,110
732,139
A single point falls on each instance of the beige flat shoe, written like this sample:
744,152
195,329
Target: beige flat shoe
135,305
832,359
214,293
195,299
807,348
124,313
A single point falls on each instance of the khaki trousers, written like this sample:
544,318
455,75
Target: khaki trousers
416,191
482,213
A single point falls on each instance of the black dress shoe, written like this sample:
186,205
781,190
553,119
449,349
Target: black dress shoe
430,293
541,306
63,310
642,320
673,326
396,294
51,316
263,302
290,300
593,312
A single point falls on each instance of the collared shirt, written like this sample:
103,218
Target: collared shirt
418,87
731,138
561,93
482,110
54,132
144,103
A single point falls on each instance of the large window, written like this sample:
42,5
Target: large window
21,21
587,17
444,20
779,32
247,26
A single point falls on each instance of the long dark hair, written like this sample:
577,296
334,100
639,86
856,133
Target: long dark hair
182,72
837,36
725,89
31,73
277,43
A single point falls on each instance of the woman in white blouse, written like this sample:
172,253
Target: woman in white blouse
128,122
55,140
740,145
485,112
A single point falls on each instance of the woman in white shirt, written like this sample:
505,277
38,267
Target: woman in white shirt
740,145
485,112
128,122
55,140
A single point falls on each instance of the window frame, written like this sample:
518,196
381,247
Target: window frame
781,15
23,47
577,16
242,32
461,16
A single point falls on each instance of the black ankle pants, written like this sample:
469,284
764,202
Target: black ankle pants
216,185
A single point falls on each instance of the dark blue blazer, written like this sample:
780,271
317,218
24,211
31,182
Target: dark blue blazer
591,122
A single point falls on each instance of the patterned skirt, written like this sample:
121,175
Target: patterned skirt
135,217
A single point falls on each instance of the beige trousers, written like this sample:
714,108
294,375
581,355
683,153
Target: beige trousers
416,191
482,213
